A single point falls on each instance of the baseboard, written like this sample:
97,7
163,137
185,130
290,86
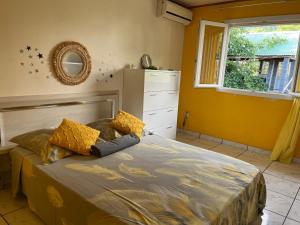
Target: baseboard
210,138
228,142
296,160
188,133
235,144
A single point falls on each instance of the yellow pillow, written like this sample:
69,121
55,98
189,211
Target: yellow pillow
127,123
74,136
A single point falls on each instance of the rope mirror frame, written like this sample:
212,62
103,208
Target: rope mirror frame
59,53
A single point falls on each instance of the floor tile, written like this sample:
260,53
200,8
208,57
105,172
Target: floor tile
228,150
278,203
259,160
22,217
9,204
295,211
259,151
285,171
2,221
269,218
281,186
291,222
204,143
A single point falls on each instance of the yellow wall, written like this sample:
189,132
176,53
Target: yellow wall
115,32
255,121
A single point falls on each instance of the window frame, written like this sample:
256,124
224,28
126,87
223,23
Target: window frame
198,67
256,21
297,72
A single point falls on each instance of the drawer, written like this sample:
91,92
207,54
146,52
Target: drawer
166,131
161,81
160,118
160,100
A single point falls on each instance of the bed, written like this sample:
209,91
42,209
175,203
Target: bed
157,182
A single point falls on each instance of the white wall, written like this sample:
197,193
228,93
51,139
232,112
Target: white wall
116,33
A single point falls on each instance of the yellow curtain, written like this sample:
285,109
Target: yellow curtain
212,49
288,136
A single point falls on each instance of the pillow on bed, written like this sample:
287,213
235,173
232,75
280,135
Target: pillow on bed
54,153
127,123
34,141
75,137
106,131
104,148
38,142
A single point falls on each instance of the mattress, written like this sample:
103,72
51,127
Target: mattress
157,182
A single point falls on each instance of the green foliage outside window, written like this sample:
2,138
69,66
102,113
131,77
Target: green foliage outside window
243,73
239,45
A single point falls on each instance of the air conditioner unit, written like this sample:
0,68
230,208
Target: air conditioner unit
173,11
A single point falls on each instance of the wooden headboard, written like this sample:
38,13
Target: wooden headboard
27,113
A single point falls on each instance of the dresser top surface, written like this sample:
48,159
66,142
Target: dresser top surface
147,70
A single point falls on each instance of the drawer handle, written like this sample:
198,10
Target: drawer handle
173,75
153,95
170,127
171,110
171,93
152,114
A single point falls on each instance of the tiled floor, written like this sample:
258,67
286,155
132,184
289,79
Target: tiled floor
283,181
283,184
16,211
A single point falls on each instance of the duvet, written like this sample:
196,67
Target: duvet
156,182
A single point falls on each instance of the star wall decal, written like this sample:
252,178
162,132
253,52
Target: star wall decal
34,56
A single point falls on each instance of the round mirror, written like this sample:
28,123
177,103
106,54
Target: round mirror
72,63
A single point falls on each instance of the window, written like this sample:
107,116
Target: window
211,53
254,57
264,67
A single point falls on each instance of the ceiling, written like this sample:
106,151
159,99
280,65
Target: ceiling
193,3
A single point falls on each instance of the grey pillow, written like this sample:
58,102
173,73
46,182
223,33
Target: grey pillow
34,141
102,149
37,142
106,131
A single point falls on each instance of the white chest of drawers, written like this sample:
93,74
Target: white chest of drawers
152,95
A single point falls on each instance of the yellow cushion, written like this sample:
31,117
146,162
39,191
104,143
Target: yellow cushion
127,123
74,136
